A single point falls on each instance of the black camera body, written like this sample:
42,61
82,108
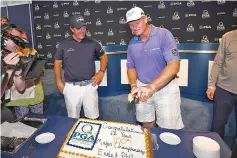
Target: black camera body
27,63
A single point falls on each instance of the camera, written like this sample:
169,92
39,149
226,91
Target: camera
30,62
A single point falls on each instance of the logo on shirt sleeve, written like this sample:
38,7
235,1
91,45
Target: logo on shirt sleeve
175,52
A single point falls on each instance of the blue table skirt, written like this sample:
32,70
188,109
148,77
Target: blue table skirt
60,126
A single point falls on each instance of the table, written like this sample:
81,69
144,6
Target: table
60,126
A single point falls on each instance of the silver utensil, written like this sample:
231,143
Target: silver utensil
30,149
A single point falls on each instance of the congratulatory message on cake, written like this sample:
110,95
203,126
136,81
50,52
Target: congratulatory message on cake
123,141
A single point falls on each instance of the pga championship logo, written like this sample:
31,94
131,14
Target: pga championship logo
235,12
39,46
204,39
46,16
49,55
67,34
161,5
220,2
65,14
38,27
190,3
149,17
110,32
122,20
56,25
37,7
97,1
88,33
55,5
122,42
175,16
190,28
87,12
110,10
205,14
220,26
98,22
176,40
161,26
75,3
48,36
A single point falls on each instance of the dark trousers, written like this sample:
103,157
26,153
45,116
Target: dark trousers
224,102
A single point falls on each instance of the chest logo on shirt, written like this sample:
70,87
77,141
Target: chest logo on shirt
71,50
175,52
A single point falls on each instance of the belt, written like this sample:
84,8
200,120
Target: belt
81,83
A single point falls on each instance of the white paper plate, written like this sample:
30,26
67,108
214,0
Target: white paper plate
170,138
45,138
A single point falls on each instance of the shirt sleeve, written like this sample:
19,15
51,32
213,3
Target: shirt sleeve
59,53
130,63
99,51
218,61
170,51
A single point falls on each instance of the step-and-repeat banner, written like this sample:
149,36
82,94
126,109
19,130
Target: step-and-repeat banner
189,21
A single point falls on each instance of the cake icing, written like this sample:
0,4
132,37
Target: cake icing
101,139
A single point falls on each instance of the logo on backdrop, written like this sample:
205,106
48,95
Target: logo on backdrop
122,20
110,32
204,39
149,17
56,25
48,36
204,27
220,2
175,16
98,22
49,55
46,16
40,46
38,27
55,5
205,14
220,26
75,3
88,33
235,13
190,15
190,28
122,42
190,3
161,26
175,3
37,7
97,1
110,10
87,12
65,14
161,5
176,40
67,34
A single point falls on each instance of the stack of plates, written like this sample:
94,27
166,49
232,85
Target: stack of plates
204,147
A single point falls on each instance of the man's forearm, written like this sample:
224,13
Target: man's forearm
58,71
169,72
103,62
132,76
5,81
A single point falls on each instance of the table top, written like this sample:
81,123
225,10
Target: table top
60,126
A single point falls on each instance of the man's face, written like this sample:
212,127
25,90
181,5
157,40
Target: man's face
4,21
79,33
11,46
138,27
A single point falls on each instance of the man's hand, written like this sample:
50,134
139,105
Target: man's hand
97,78
61,86
12,59
144,92
210,93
